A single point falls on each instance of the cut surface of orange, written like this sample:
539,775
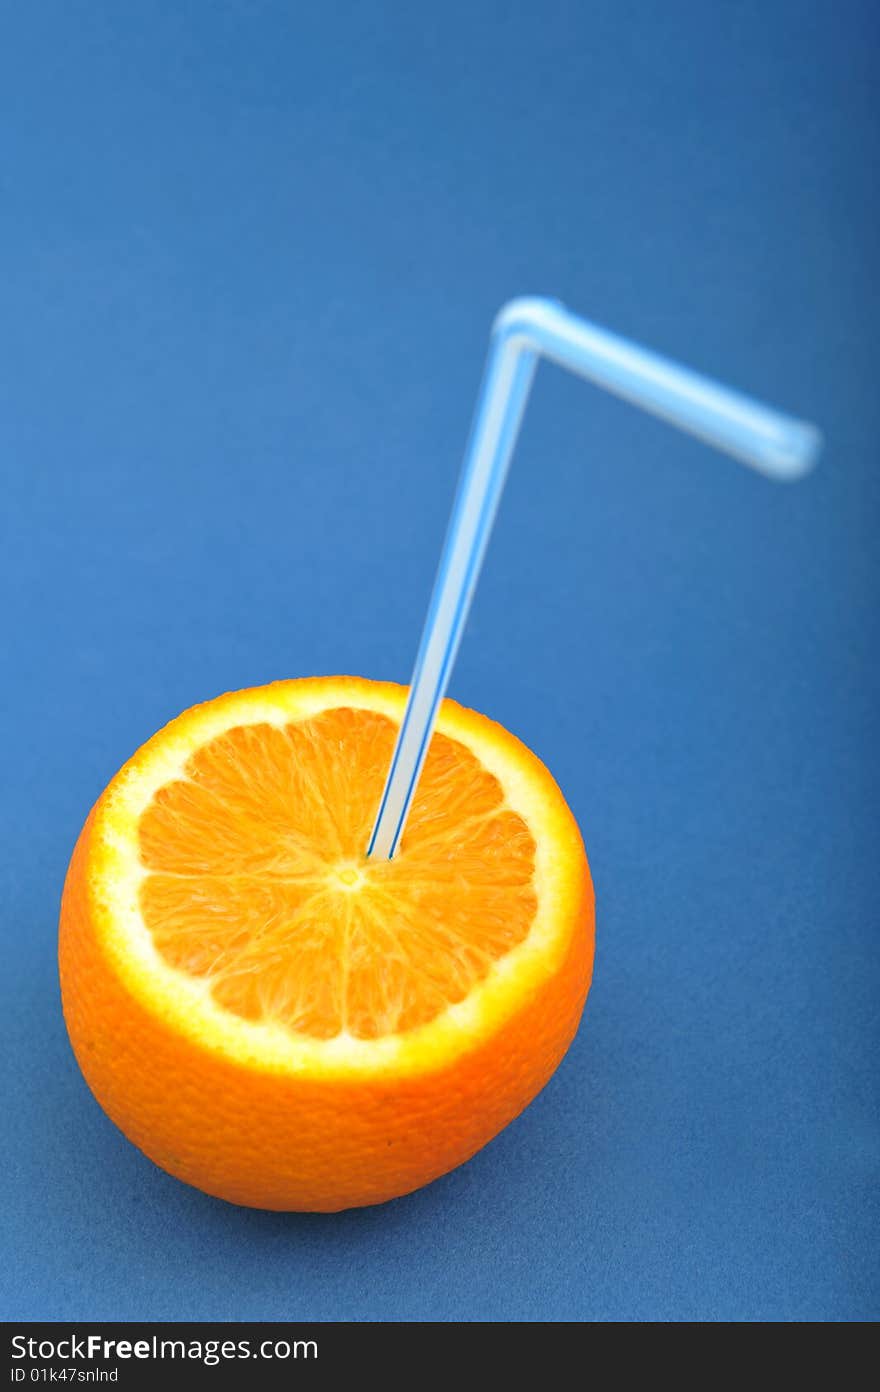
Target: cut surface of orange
283,1022
258,884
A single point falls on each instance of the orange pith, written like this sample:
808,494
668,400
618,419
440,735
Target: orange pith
259,883
283,1023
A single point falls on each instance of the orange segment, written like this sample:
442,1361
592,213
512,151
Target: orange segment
259,885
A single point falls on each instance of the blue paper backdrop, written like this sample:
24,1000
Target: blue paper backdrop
251,253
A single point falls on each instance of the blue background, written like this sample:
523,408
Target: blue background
251,253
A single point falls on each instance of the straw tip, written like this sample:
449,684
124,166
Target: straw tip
796,453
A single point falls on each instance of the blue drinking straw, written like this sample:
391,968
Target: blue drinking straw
774,444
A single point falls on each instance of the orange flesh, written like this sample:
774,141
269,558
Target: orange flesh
258,881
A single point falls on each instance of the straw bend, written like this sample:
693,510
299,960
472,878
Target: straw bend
780,446
777,445
524,318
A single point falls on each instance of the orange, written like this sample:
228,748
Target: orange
280,1021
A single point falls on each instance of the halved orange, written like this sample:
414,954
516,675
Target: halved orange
282,1022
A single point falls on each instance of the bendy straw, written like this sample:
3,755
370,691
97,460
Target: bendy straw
775,444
